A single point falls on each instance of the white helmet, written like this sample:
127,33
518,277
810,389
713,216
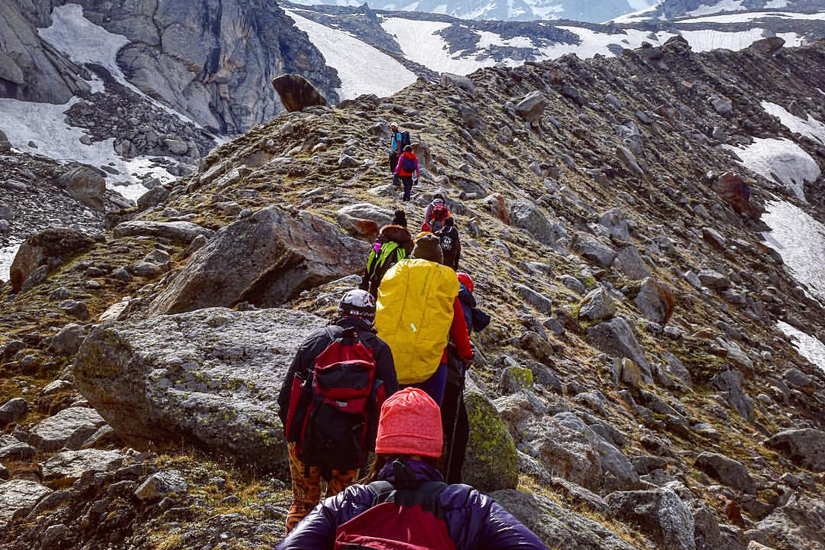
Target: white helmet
358,303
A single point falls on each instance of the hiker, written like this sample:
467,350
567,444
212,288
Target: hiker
320,423
403,502
397,143
436,213
394,243
450,243
453,409
418,313
406,167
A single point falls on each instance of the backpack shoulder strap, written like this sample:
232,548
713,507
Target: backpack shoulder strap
381,491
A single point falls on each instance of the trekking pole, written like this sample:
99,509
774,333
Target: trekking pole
458,402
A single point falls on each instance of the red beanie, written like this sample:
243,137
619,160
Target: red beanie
410,425
466,280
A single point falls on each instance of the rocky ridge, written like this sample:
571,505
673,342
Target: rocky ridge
634,372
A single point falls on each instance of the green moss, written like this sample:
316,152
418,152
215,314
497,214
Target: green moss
492,460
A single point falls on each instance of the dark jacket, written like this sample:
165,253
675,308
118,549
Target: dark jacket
450,245
474,521
318,341
388,233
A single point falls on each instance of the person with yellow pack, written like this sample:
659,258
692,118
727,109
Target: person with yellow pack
418,313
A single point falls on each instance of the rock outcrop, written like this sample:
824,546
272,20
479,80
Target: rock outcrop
46,250
296,92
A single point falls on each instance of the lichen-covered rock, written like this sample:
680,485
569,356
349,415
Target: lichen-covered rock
211,377
492,461
515,379
596,306
264,259
49,247
526,215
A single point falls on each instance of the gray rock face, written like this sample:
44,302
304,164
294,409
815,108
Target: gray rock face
162,484
529,217
596,306
800,523
448,80
212,60
593,250
535,299
296,92
265,259
85,185
614,221
730,472
630,263
70,465
68,340
660,513
714,280
211,377
69,428
654,300
179,232
805,447
19,496
730,382
532,107
49,247
616,338
12,410
492,461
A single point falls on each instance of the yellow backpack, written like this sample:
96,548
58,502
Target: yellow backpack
414,315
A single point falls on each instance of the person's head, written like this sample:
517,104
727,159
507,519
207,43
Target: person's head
357,303
428,247
438,198
408,149
394,127
466,280
400,218
410,425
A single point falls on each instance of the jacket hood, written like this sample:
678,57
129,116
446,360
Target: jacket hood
396,233
466,297
420,470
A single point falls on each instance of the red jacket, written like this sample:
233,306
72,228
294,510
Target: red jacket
399,170
458,333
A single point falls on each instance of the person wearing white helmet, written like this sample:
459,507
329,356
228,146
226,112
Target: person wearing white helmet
335,386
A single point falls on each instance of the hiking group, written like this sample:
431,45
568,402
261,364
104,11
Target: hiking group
379,392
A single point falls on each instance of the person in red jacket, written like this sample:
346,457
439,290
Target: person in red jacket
427,247
406,167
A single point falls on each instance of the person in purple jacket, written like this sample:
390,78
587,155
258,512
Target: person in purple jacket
408,445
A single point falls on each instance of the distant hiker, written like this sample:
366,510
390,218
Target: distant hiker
329,403
436,213
418,313
398,141
405,503
450,243
394,243
406,167
453,409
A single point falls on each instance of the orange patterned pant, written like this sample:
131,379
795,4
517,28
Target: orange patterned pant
306,487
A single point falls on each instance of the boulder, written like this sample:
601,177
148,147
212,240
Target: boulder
153,197
86,185
596,306
628,159
515,379
363,219
297,93
557,525
12,410
177,232
161,485
491,462
449,80
730,382
728,471
655,300
735,191
532,106
767,45
615,337
630,263
69,428
535,299
68,466
526,215
19,496
50,247
14,449
799,524
714,280
659,513
68,340
613,220
264,259
805,447
210,377
593,250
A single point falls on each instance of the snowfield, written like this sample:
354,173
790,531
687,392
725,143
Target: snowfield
808,347
752,16
361,68
811,128
6,258
723,5
781,160
706,40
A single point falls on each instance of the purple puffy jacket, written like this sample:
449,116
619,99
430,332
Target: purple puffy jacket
474,521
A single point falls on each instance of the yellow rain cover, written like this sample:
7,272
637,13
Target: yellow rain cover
415,311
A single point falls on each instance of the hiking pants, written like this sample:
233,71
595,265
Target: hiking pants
393,162
408,184
306,486
454,401
434,385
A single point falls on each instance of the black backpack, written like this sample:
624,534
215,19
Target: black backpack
405,140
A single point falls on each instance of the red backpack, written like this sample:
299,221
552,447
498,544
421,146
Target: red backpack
333,412
398,520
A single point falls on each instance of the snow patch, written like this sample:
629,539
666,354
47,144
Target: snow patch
752,16
487,39
362,68
780,159
706,39
811,127
777,4
6,258
723,5
800,239
808,347
593,42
